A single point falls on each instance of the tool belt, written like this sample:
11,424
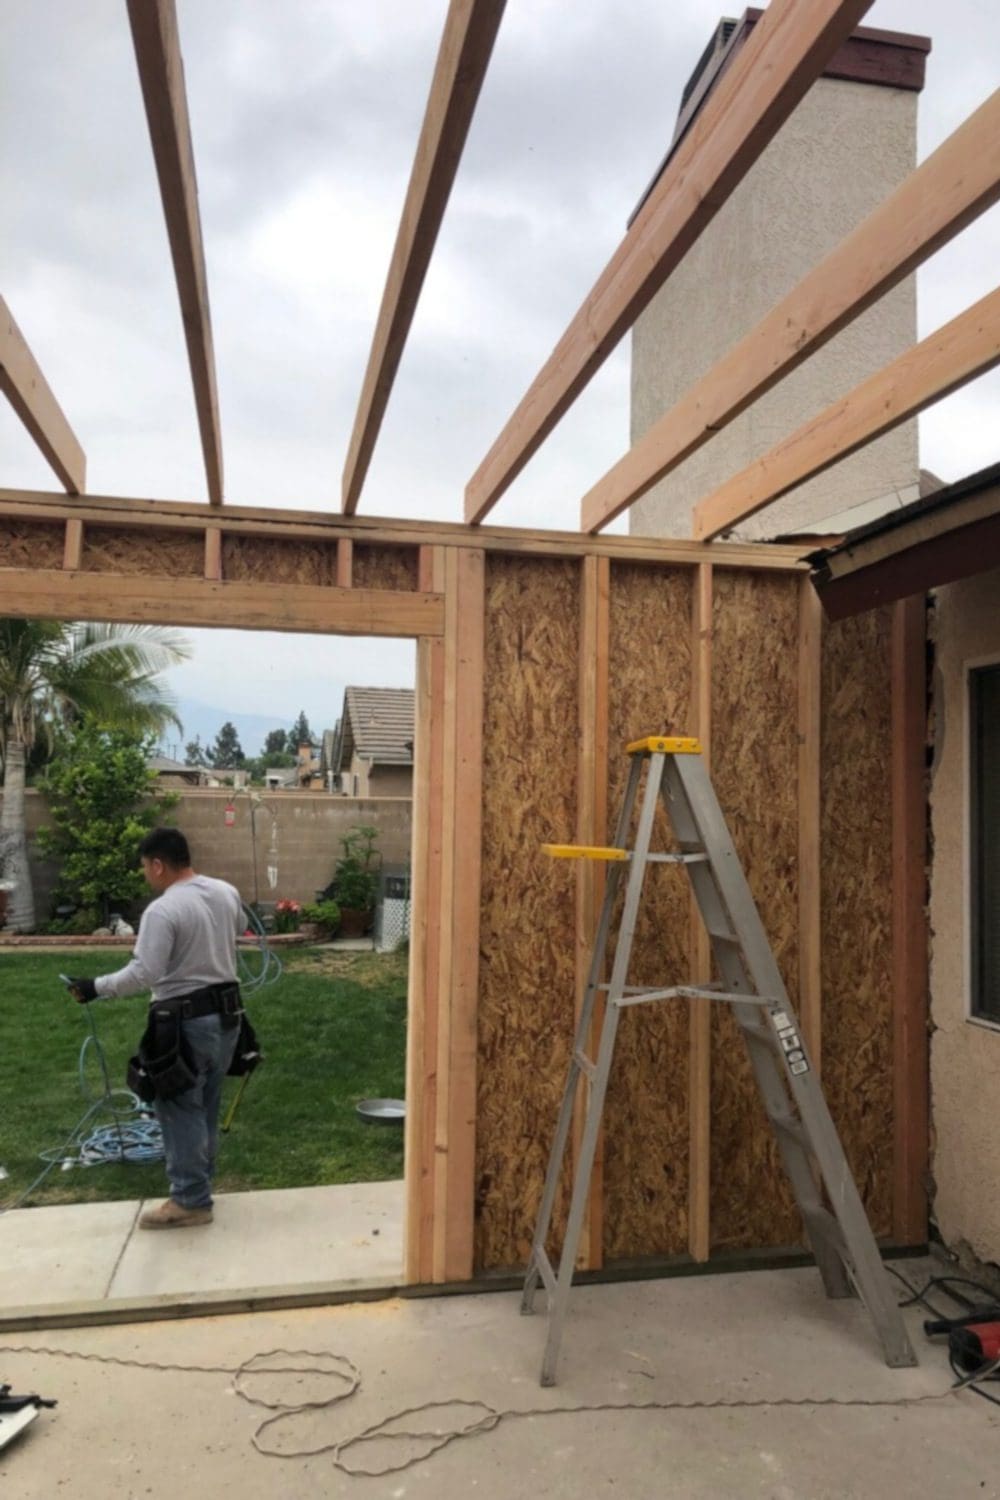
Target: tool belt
164,1065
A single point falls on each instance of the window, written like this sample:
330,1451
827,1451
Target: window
984,746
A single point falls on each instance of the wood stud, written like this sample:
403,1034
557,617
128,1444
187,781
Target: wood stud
700,1011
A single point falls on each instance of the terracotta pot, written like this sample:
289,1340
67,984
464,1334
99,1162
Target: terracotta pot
354,922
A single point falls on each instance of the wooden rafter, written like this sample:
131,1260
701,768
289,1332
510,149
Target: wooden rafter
787,50
966,347
950,189
469,33
161,74
29,393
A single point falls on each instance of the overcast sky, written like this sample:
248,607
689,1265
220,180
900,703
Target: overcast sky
305,116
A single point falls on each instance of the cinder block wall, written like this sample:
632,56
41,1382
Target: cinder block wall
309,828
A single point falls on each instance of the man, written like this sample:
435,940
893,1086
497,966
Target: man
186,954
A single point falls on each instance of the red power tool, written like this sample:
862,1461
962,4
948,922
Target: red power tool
973,1340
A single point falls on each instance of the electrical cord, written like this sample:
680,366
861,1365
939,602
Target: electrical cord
987,1371
484,1418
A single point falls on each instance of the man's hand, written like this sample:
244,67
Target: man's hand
83,990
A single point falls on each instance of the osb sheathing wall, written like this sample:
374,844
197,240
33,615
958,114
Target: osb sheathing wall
527,980
546,667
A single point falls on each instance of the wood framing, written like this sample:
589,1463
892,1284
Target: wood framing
213,553
138,515
945,193
563,658
455,1137
911,1121
29,393
59,595
966,347
73,545
787,51
810,730
700,1011
591,828
425,954
161,75
470,31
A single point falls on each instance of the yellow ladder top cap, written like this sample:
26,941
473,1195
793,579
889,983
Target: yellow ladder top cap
583,851
658,745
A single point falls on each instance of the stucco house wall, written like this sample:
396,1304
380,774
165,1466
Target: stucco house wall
965,1054
842,151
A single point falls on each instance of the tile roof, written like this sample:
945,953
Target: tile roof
379,725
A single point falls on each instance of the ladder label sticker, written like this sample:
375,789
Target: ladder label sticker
789,1040
781,1021
799,1067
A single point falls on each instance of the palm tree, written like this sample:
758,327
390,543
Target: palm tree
53,673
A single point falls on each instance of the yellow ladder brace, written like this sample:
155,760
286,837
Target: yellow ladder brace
653,744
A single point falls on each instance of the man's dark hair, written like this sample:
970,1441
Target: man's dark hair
168,844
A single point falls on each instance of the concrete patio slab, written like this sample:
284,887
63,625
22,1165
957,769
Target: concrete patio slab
352,1232
738,1338
65,1253
289,1237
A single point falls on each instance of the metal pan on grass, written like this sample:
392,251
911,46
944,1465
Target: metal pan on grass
382,1111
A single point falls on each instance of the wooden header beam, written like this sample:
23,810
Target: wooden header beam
58,595
29,393
161,74
466,46
788,49
950,189
321,527
966,347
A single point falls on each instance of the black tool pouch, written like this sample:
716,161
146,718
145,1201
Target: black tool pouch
247,1053
162,1069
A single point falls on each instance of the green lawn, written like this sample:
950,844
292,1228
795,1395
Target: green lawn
332,1029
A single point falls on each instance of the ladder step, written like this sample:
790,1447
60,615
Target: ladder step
586,851
696,857
585,1063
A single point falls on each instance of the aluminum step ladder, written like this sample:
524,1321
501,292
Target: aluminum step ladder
837,1227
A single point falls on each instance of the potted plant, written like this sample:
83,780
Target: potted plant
355,881
287,914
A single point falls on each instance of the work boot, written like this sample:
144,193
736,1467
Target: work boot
171,1215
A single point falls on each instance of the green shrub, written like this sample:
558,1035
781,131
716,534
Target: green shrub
323,914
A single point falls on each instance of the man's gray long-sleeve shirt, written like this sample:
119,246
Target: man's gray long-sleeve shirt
187,941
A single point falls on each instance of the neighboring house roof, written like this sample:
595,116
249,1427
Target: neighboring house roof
378,725
163,763
951,533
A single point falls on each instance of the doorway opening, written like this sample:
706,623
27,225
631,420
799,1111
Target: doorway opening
315,831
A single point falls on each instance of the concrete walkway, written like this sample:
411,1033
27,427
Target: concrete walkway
120,1433
94,1252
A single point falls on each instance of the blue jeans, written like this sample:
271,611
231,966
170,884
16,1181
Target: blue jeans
190,1121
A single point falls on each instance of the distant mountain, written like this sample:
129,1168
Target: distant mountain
203,720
